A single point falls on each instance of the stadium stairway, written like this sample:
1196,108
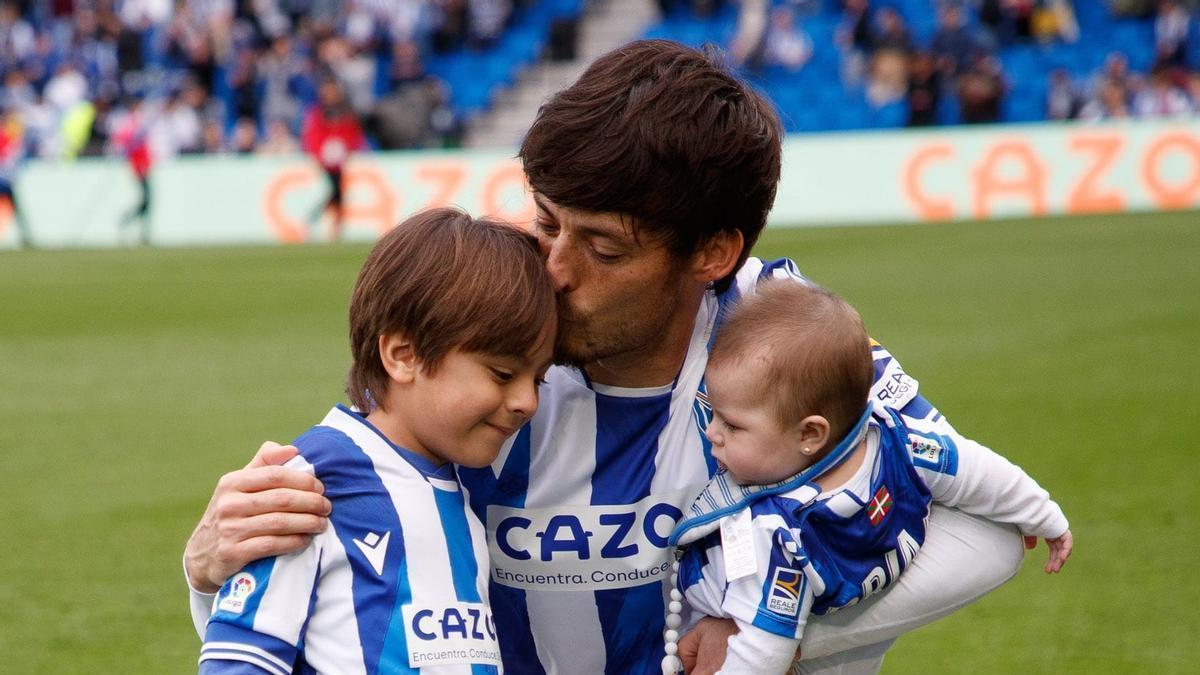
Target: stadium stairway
603,25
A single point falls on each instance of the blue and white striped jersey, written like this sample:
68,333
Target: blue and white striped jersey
395,584
815,552
578,507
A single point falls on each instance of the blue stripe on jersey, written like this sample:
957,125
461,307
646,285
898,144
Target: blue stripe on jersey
632,619
218,633
463,568
312,604
918,408
510,610
770,266
230,667
691,566
362,505
261,571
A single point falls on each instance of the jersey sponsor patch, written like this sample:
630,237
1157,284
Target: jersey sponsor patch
783,597
241,587
893,388
584,548
461,632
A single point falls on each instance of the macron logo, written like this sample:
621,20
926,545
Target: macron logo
374,549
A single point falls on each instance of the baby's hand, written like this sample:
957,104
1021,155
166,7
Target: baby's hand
1060,550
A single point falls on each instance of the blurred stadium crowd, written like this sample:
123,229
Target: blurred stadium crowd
853,64
97,77
220,76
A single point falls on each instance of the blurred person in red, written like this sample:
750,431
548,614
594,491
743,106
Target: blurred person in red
331,133
131,139
13,151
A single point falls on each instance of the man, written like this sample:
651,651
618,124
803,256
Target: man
653,176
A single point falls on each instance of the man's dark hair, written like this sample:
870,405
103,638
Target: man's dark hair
445,280
666,134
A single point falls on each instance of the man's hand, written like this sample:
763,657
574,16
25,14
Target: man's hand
1060,549
262,510
702,650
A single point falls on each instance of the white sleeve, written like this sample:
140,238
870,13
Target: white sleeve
201,605
753,651
966,475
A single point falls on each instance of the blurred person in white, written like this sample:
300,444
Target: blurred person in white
181,127
279,139
1161,99
853,39
280,68
16,35
1110,102
486,20
747,44
1062,96
891,49
786,44
1171,28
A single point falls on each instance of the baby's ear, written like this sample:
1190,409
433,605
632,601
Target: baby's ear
811,434
398,357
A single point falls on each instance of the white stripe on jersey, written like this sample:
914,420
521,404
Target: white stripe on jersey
574,644
338,649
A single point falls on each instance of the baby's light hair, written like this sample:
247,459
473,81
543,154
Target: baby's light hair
812,346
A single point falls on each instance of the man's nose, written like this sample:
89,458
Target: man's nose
559,264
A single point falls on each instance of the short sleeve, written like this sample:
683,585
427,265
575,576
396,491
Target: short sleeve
260,613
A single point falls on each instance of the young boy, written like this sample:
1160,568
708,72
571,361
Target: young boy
821,497
452,325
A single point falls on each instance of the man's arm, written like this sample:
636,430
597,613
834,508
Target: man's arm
260,511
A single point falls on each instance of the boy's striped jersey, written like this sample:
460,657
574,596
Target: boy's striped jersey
578,507
395,584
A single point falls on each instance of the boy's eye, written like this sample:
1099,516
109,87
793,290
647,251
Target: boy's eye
545,226
501,375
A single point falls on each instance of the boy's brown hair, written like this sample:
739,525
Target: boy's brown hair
813,348
665,134
445,280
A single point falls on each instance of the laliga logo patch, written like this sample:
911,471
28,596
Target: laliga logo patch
241,587
784,596
925,449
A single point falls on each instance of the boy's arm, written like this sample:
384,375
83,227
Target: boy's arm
259,614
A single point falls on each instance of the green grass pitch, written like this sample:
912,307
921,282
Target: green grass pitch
132,379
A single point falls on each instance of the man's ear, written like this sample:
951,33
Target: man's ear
718,257
398,358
